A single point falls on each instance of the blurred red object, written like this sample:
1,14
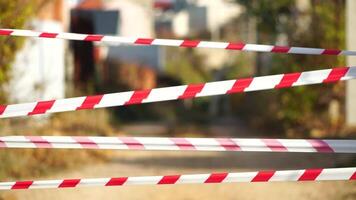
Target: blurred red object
163,4
90,4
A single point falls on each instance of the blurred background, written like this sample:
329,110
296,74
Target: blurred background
33,69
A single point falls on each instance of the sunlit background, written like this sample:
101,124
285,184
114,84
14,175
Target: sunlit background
33,69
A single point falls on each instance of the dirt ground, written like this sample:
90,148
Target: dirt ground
140,163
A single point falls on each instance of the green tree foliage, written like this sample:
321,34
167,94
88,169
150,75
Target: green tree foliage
308,106
186,66
321,25
13,14
271,16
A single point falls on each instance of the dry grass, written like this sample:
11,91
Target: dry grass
22,163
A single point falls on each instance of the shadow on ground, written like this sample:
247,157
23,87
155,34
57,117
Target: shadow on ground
239,160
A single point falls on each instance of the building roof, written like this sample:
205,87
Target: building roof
90,4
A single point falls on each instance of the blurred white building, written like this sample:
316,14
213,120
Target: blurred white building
38,71
112,62
136,17
180,24
211,15
187,18
197,16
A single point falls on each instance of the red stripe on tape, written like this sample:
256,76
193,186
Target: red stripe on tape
116,181
228,144
172,179
263,176
183,143
274,145
2,144
216,178
39,141
310,174
240,85
48,35
235,46
22,185
90,102
145,41
5,32
138,96
320,146
336,74
132,143
42,107
191,91
69,183
288,80
331,52
86,142
280,49
2,109
93,38
189,43
353,177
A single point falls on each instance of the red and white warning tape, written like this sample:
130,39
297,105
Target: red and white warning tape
180,144
179,92
260,176
178,43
